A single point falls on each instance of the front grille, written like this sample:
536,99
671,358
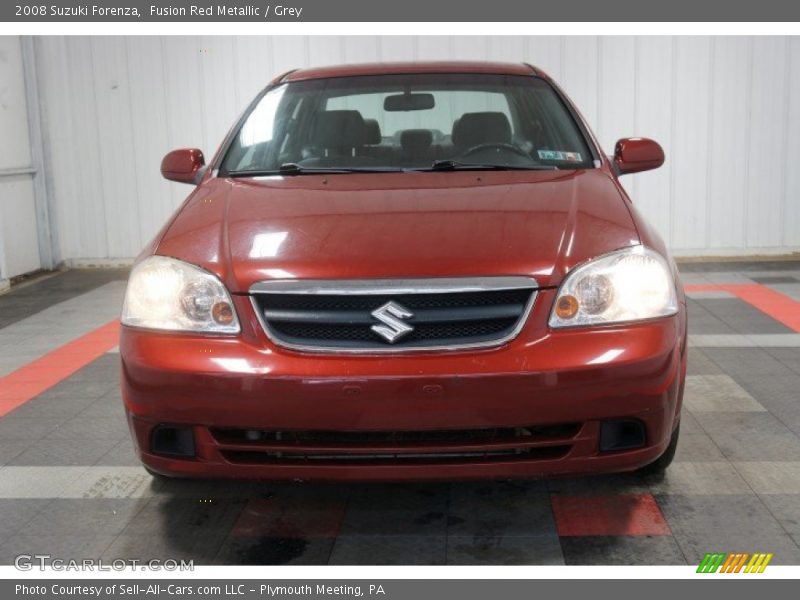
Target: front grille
337,335
338,315
540,442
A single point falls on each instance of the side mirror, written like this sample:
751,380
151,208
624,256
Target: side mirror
184,165
632,155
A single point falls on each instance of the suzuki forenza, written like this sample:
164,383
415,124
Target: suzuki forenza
406,271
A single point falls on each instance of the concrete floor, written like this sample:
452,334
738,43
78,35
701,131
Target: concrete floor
71,487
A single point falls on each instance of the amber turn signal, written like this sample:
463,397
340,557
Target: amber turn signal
567,307
222,312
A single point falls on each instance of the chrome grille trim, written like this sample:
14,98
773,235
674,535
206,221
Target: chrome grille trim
367,287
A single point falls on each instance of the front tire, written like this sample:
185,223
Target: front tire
659,466
158,476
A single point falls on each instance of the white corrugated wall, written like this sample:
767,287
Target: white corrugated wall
726,109
19,249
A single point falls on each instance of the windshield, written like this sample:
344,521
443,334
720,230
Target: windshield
402,122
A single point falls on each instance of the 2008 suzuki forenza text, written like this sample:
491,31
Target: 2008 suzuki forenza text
406,271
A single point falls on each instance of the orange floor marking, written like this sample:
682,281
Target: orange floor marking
39,375
779,306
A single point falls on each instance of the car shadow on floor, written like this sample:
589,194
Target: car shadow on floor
252,523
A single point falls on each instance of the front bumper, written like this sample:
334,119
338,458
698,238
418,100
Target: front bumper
577,378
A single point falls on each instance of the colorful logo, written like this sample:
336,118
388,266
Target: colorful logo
743,562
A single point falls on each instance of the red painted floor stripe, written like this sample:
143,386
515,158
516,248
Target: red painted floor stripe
29,381
286,518
779,306
623,514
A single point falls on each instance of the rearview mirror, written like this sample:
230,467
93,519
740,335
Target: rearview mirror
184,165
632,155
407,102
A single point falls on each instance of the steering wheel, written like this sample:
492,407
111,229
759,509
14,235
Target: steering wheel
497,145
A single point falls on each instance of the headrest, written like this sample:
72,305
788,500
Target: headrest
372,132
416,139
473,129
339,129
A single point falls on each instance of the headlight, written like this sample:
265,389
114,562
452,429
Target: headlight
165,293
627,285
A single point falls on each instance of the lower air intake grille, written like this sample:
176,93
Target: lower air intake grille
451,436
266,457
538,442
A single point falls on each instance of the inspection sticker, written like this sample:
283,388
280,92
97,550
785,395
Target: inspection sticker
560,155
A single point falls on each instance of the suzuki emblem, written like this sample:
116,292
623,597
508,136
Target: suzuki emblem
393,328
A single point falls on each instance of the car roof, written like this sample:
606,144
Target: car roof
498,68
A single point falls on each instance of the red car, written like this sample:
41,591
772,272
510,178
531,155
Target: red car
406,271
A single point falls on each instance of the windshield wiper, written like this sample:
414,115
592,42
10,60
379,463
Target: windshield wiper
455,165
298,169
292,168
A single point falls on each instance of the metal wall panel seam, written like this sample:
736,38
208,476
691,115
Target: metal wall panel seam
97,142
712,59
747,136
41,195
672,138
785,142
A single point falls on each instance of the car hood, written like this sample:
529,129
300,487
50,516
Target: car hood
417,224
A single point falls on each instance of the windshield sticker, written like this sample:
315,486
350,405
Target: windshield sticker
560,155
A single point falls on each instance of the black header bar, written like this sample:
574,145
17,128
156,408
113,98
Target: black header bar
400,11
